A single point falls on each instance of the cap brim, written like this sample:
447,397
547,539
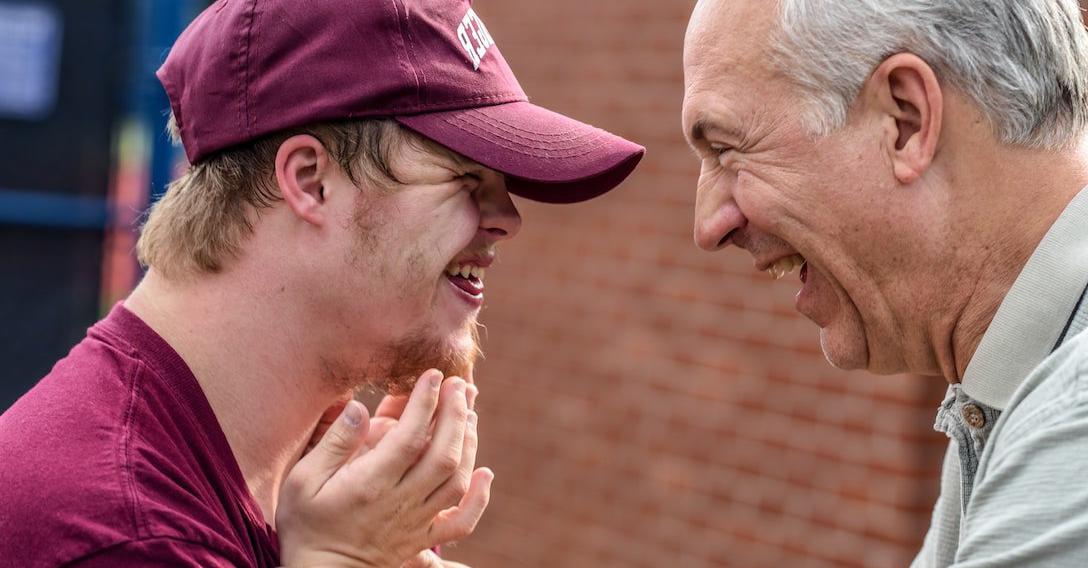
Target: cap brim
546,156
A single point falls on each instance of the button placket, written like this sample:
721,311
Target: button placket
969,423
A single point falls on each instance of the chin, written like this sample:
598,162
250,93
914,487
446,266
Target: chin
844,351
464,340
395,366
462,351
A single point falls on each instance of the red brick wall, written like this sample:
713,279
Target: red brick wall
648,404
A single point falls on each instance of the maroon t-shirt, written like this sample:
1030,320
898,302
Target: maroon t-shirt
116,459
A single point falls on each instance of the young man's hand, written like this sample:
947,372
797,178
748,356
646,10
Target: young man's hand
347,503
428,559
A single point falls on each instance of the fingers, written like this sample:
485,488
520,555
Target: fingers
340,442
422,403
347,490
471,395
453,490
458,522
328,418
379,427
444,454
425,559
392,406
406,440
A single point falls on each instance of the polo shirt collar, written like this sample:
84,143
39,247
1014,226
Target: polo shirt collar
1034,313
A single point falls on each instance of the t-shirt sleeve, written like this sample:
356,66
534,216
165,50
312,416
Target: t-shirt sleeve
159,551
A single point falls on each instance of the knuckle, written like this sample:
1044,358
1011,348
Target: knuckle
294,484
413,444
472,442
463,528
336,438
367,493
461,485
447,464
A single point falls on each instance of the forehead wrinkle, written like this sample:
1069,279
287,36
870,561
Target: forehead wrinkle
732,88
729,36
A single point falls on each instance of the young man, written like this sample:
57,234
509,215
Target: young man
925,165
351,163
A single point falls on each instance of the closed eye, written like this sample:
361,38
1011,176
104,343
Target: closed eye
471,181
720,149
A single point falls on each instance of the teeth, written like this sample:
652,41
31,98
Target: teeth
785,266
465,271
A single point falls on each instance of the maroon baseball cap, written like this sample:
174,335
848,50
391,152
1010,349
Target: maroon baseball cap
247,68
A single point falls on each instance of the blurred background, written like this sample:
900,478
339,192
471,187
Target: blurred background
643,404
82,153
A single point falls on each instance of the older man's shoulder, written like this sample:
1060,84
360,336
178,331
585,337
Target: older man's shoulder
1054,394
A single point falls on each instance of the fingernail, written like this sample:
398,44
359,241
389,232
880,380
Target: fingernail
435,378
459,385
472,418
353,415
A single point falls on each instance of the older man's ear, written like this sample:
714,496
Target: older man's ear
906,95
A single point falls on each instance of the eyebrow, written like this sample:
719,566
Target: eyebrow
702,125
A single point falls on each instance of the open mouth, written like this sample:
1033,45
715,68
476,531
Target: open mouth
468,278
786,265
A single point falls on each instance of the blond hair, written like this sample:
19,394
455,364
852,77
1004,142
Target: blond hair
207,212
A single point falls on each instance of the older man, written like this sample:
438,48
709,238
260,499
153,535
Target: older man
923,164
350,179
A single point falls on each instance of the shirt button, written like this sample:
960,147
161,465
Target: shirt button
974,416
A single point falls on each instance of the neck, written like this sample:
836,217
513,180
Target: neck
1012,199
239,341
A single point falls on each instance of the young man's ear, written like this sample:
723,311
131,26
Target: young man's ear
905,91
302,165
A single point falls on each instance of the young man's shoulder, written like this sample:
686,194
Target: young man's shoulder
85,469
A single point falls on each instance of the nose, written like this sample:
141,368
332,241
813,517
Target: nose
499,217
718,218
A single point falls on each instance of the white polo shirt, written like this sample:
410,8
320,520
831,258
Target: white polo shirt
1014,487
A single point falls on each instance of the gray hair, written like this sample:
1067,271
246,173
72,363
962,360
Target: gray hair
1023,62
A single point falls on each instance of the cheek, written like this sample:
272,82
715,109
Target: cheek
408,256
448,219
766,199
404,261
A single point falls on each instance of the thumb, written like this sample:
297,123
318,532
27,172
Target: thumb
340,442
